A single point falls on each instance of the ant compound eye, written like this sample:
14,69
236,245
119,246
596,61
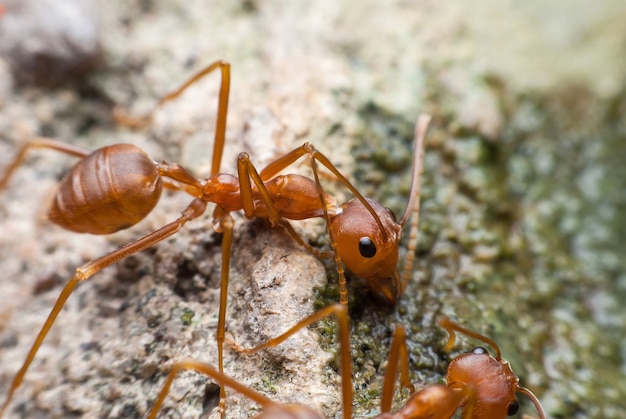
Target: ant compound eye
479,351
367,248
513,408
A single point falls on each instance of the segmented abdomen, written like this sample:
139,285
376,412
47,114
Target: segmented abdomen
112,189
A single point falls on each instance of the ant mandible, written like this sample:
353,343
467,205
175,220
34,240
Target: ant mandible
481,386
115,187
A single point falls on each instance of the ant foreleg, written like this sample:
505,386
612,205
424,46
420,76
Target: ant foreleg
39,142
194,210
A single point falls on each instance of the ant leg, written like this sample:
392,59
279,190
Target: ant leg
398,355
39,142
225,225
245,172
222,109
343,288
193,210
340,311
218,376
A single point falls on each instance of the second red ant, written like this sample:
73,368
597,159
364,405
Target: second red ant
115,187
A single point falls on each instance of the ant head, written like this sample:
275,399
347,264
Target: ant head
493,383
369,252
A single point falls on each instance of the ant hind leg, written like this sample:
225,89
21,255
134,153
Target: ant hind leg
129,121
39,142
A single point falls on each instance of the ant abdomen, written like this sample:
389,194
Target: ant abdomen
111,189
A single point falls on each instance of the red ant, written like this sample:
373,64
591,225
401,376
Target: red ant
115,187
489,382
481,386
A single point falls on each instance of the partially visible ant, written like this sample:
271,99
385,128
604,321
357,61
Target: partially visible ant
114,187
481,386
489,381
